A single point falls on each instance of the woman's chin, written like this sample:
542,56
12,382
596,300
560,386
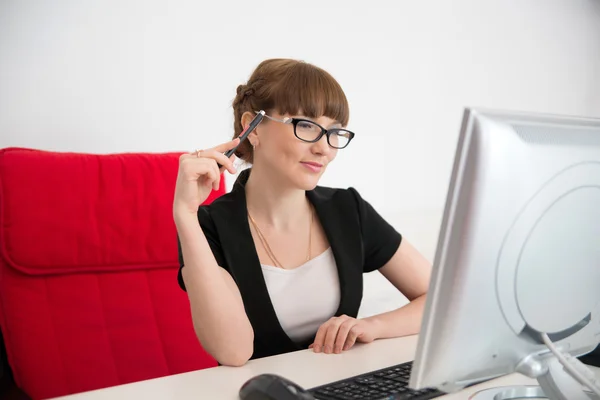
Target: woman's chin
307,182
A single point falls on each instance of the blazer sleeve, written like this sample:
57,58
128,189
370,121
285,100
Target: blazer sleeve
380,239
210,232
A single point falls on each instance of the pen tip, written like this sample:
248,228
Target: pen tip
262,112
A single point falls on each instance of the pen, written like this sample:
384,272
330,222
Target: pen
253,124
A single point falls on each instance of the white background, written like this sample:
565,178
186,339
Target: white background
114,76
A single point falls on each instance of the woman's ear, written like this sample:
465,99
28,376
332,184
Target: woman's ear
247,117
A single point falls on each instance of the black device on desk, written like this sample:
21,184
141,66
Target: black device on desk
389,383
272,387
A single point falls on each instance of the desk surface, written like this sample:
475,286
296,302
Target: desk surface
306,368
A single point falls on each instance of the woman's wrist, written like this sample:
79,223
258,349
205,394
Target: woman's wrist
184,218
377,326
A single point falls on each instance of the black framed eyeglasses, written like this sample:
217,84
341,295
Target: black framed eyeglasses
311,132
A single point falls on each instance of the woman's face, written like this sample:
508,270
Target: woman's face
299,162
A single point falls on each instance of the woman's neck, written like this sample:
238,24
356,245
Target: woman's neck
273,203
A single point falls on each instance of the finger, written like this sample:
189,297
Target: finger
223,147
342,335
232,159
230,166
204,171
185,156
330,336
217,174
194,168
320,337
353,335
311,346
220,158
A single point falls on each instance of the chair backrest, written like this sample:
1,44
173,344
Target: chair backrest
88,271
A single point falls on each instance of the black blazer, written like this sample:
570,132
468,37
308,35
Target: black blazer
360,239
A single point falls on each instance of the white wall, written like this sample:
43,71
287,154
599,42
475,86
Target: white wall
101,76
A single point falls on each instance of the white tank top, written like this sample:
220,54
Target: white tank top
304,297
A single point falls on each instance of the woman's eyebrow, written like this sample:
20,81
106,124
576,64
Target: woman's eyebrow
334,123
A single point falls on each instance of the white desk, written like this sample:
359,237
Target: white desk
306,368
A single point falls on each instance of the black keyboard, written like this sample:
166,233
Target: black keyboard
387,383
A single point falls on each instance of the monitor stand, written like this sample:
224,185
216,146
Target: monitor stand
554,384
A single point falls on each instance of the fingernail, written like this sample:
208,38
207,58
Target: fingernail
317,348
338,349
327,349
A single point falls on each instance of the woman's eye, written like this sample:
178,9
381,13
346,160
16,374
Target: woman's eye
305,125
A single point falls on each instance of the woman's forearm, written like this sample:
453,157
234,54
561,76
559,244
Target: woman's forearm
218,314
403,321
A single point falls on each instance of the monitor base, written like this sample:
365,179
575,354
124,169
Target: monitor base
518,393
510,393
554,384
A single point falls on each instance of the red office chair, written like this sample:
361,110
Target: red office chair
88,271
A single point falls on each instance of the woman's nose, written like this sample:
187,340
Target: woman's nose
322,146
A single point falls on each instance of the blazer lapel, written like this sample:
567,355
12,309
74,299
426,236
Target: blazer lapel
339,219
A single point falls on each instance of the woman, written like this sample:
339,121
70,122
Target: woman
276,264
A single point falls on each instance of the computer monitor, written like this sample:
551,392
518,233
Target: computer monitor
518,254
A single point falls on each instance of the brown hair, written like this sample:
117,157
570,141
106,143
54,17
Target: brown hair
288,87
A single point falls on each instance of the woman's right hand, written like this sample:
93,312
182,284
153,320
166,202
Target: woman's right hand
198,175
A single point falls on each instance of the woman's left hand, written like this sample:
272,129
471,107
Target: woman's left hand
340,333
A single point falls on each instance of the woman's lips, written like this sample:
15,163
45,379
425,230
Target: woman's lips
312,166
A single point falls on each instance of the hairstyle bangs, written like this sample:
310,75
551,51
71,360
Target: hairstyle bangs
312,92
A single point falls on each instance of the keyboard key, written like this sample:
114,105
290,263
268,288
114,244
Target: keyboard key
365,381
341,385
401,380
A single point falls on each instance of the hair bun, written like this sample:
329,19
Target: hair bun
243,91
240,89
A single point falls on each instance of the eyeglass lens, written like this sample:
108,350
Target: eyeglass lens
308,131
